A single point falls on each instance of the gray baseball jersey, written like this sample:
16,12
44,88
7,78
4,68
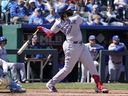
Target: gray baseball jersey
94,50
73,47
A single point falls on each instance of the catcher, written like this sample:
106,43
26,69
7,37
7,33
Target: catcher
5,80
7,83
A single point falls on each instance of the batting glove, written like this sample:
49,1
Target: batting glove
40,28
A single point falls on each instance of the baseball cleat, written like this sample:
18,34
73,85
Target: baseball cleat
51,88
16,88
101,89
20,90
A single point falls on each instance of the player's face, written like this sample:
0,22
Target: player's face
2,44
116,41
92,41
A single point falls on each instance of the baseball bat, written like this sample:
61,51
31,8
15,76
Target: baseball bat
24,46
48,58
45,63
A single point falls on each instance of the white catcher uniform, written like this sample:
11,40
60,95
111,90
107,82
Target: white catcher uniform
12,66
73,47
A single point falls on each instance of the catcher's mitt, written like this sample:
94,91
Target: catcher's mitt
4,82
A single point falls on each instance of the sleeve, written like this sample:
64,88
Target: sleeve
30,20
111,47
120,47
13,11
80,20
55,28
99,47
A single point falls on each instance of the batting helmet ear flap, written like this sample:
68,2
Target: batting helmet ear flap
69,12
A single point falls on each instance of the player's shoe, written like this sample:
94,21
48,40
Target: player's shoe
16,88
99,85
20,90
101,89
51,88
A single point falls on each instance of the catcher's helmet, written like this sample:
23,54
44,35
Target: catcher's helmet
65,10
3,39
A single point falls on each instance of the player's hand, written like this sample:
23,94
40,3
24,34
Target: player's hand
40,28
50,34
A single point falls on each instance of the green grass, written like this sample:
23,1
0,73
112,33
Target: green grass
111,86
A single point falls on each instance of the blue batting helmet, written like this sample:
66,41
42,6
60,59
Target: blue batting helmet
116,38
3,39
62,9
65,9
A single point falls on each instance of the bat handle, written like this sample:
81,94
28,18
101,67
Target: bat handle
35,32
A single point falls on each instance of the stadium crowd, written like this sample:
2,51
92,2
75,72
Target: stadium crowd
45,11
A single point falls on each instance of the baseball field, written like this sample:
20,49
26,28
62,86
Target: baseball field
70,89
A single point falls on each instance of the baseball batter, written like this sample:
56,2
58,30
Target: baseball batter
73,48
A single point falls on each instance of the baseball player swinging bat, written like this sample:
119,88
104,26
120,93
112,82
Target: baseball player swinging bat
24,46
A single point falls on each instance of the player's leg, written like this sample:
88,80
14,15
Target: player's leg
13,70
87,61
83,73
7,82
121,69
112,71
4,65
71,57
21,68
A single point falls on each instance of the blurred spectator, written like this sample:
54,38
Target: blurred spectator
58,4
35,66
97,21
119,6
111,17
5,9
93,13
89,5
37,17
115,64
19,12
35,45
31,6
42,5
52,16
94,49
71,4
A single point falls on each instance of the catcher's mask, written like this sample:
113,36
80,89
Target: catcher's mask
65,10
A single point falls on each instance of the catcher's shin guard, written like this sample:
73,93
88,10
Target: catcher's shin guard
100,88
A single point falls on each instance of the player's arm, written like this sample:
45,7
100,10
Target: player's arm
48,32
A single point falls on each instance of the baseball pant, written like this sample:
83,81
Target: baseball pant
74,53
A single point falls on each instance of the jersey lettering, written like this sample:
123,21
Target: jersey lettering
66,27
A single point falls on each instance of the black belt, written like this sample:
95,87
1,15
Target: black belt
75,42
116,62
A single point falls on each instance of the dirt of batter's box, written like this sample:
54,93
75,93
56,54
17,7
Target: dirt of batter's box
66,92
